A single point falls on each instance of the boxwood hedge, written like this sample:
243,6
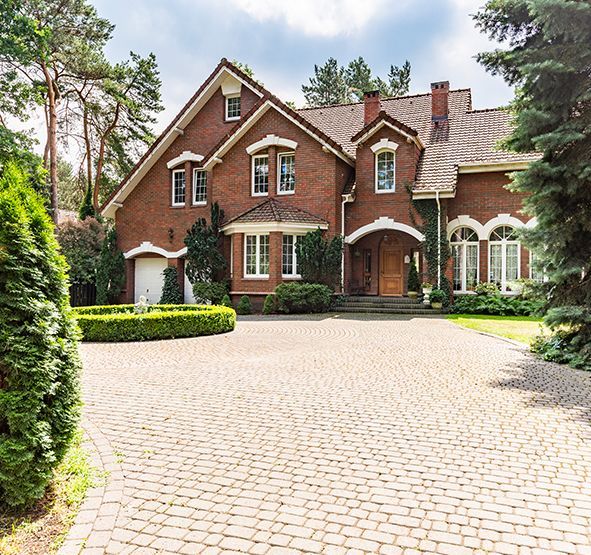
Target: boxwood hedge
120,323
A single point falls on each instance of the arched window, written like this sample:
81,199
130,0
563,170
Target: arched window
503,256
465,253
385,171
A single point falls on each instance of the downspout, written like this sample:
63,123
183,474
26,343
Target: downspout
438,240
345,200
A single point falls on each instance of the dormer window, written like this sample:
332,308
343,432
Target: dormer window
232,108
385,171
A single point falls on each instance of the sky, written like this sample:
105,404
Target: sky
281,40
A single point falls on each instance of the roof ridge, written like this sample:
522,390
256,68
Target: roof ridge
479,110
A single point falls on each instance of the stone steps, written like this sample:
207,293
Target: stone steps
384,305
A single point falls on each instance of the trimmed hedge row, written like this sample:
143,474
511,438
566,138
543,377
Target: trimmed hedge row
496,305
120,323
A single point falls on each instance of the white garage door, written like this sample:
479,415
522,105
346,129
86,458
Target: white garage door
149,278
189,299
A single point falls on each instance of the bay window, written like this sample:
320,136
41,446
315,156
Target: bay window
256,256
289,257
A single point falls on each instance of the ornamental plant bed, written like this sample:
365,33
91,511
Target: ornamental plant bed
122,323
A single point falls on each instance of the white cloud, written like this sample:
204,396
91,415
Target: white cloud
322,18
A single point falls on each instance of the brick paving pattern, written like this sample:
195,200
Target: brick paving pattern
339,435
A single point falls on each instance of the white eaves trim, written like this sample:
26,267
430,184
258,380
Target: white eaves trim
171,135
483,167
268,227
271,140
185,156
383,123
443,193
384,144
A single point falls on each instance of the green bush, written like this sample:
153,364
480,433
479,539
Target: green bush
226,301
486,288
171,290
438,296
120,323
496,305
244,306
563,347
39,362
210,292
414,283
299,298
110,276
270,304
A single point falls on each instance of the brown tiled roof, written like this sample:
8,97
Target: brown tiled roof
273,210
468,136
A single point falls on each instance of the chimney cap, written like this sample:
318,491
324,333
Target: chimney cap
370,94
440,85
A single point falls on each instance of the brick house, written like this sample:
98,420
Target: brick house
349,169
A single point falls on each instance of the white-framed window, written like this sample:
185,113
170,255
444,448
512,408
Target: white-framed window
504,257
178,188
233,108
286,173
465,253
385,171
290,267
260,175
256,256
199,187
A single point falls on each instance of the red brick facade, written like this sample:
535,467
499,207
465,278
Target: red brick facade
146,216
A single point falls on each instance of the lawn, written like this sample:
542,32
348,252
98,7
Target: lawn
43,527
520,328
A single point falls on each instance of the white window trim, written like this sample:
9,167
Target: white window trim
193,188
177,204
376,156
504,244
279,156
295,257
226,99
258,275
464,244
252,163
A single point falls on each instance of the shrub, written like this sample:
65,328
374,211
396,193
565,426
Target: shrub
319,259
244,306
39,363
270,304
486,288
496,305
226,301
413,277
110,276
297,298
438,296
209,291
563,347
171,290
120,323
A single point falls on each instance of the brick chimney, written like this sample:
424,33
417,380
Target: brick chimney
439,101
372,106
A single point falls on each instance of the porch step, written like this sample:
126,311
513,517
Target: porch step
394,301
386,310
402,306
384,305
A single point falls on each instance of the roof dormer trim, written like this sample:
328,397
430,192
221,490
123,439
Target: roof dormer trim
185,156
271,140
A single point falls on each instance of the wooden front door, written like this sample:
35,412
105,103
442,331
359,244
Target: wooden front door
391,270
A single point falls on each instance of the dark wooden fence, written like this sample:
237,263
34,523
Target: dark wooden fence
82,294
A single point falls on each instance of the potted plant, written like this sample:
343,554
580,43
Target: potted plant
413,280
437,298
427,288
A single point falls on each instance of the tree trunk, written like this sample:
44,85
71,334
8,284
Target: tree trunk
101,158
88,151
52,141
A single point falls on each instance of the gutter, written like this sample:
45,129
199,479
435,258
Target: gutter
438,240
345,199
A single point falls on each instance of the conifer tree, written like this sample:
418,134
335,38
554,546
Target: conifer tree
328,86
548,60
358,77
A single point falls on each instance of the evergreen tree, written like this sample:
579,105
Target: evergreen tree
358,78
110,276
548,60
398,82
171,290
86,208
320,259
39,363
328,86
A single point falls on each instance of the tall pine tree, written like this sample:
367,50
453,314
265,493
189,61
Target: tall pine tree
358,78
548,60
328,86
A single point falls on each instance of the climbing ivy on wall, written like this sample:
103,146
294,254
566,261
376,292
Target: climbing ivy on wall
427,211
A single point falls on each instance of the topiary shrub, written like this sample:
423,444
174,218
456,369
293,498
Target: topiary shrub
171,290
110,275
121,323
270,304
244,306
414,283
209,292
226,301
39,363
300,298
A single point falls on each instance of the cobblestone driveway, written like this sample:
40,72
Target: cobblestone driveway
339,435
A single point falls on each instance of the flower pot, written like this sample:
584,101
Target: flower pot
413,294
426,293
437,306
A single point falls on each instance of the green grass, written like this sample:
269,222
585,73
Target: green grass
519,328
43,527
